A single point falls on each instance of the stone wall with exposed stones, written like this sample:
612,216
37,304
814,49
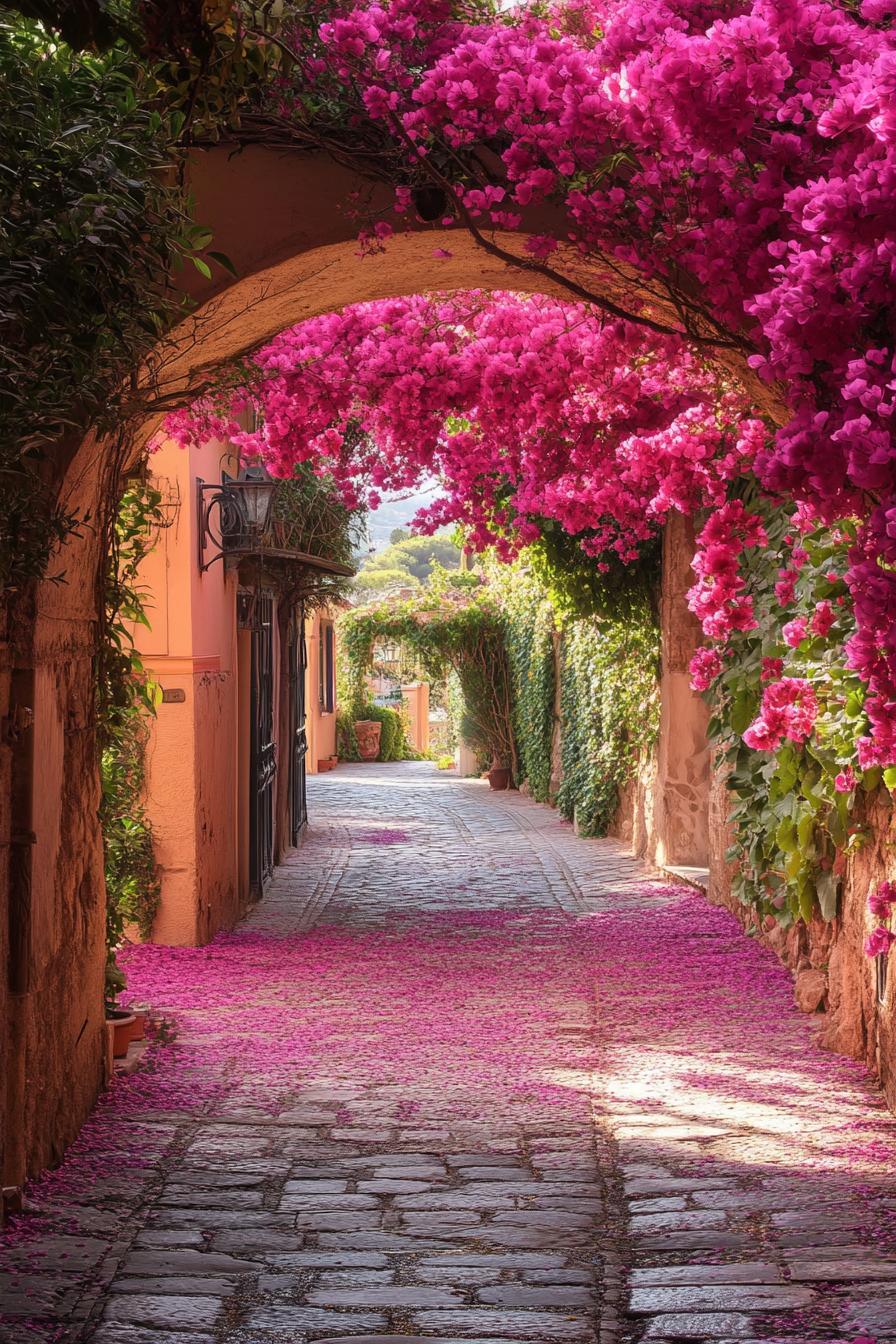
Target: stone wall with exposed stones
832,976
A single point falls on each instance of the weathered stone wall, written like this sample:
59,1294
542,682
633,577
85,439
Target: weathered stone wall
664,812
832,976
53,915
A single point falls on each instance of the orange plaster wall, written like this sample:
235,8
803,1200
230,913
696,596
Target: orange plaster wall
320,726
192,758
416,704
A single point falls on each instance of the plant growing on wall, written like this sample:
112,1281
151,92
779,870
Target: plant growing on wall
607,663
789,716
126,700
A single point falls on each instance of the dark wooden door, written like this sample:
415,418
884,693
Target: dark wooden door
263,755
298,662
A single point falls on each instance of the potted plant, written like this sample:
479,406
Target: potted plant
120,1022
368,733
498,775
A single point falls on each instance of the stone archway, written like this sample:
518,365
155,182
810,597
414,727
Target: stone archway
286,222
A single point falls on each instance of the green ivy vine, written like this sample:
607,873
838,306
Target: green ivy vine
126,702
607,661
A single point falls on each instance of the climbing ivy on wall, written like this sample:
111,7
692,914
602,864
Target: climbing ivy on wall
126,701
609,709
608,643
529,623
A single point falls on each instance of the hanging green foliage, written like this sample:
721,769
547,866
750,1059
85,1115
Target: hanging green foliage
126,702
595,633
609,711
529,622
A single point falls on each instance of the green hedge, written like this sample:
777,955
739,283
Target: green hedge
394,744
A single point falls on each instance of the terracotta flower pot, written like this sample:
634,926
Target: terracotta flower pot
122,1022
368,733
499,777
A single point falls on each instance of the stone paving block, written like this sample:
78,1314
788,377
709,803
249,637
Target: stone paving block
869,1314
737,1297
212,1178
438,1224
315,1201
689,1221
454,1199
185,1263
361,1135
308,1185
669,1185
414,1339
833,1270
524,1236
119,1333
207,1284
359,1221
665,1204
257,1242
534,1325
535,1217
525,1295
464,1276
352,1278
331,1259
701,1325
483,1160
558,1275
493,1173
710,1239
670,1275
376,1241
163,1310
408,1297
297,1320
511,1260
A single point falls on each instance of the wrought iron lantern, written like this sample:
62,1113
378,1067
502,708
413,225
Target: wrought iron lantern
243,506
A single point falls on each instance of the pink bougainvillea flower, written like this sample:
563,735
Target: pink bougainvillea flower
706,665
789,709
882,900
823,618
879,942
795,631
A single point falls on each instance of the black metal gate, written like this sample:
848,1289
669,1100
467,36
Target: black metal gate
298,661
263,756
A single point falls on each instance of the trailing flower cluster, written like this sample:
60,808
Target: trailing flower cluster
523,406
740,157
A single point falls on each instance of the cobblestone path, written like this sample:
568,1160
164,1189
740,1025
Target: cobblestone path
463,1075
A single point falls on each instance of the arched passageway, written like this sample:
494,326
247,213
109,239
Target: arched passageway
287,223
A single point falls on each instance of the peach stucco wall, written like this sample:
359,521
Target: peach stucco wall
321,726
416,705
198,785
192,777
